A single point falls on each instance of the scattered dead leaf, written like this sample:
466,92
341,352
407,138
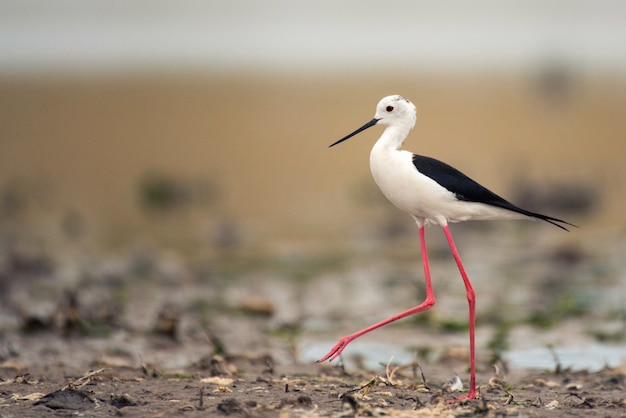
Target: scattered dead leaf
30,397
552,405
217,380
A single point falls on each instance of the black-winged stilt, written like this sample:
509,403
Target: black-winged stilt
432,192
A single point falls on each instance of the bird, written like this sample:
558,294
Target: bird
433,193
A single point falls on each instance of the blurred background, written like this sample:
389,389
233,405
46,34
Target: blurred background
164,168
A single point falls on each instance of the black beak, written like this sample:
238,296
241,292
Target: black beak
361,129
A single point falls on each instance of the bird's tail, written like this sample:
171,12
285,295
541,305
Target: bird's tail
554,221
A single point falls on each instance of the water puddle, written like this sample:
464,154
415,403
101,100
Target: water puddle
591,357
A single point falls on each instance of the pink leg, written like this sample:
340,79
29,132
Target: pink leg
428,303
471,299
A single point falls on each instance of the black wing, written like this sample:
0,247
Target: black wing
466,189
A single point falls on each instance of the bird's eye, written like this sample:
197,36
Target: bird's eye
389,108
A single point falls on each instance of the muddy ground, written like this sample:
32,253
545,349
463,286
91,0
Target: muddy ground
141,334
164,346
254,386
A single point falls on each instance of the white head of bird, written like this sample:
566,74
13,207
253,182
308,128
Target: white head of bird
396,111
397,114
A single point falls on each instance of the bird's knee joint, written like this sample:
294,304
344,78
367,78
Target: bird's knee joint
471,296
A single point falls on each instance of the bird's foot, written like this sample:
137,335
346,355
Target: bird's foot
336,350
471,395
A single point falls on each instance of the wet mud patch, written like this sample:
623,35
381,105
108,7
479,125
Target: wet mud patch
309,390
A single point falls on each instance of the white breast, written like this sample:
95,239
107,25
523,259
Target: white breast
406,188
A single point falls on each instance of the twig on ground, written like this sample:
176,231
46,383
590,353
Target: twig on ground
557,368
84,380
390,372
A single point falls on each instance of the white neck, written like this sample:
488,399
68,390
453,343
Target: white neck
393,137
